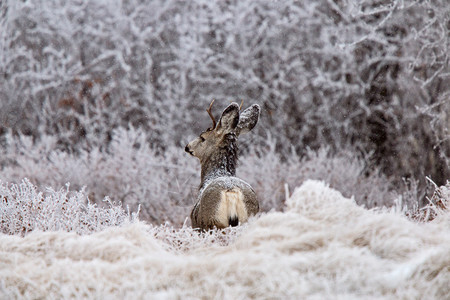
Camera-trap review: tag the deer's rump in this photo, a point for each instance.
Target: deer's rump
(225, 201)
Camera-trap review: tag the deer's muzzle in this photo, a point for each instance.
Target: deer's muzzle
(188, 150)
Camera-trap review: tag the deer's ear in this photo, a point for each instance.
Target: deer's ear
(229, 119)
(248, 119)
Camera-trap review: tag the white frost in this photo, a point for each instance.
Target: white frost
(322, 246)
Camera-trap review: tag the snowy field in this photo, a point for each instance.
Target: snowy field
(322, 246)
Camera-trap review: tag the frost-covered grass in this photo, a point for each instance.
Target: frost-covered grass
(322, 245)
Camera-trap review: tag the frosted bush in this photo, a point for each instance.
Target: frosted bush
(23, 208)
(341, 74)
(274, 178)
(350, 174)
(129, 171)
(438, 204)
(164, 185)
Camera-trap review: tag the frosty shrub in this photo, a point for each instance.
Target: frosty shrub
(438, 204)
(274, 178)
(163, 186)
(23, 208)
(128, 171)
(366, 75)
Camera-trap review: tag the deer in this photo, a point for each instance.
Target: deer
(223, 200)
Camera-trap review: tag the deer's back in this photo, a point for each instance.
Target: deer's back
(224, 201)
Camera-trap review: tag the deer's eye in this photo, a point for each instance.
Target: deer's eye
(202, 138)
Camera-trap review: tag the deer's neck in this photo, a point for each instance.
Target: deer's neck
(221, 163)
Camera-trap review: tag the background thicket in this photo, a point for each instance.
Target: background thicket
(105, 94)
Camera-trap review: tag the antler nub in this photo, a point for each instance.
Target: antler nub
(211, 115)
(242, 103)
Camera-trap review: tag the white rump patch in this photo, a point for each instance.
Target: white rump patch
(231, 205)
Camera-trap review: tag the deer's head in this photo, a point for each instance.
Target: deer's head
(232, 123)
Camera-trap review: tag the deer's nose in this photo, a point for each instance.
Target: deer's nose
(188, 150)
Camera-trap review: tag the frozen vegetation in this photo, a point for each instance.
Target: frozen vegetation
(322, 246)
(350, 159)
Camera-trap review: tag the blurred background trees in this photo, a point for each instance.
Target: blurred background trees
(349, 84)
